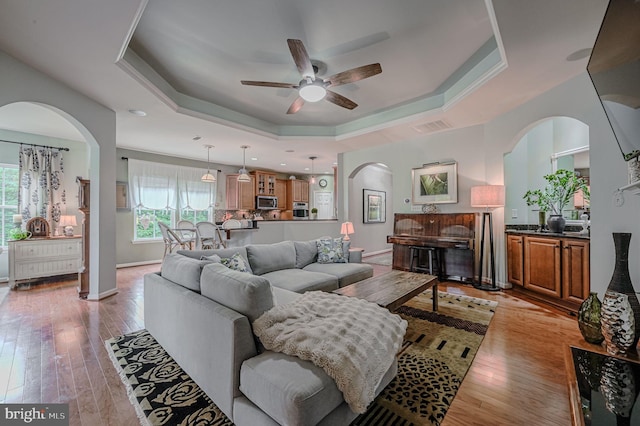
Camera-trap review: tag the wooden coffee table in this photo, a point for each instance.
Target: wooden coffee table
(392, 289)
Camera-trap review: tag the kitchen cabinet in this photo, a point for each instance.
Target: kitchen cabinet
(44, 257)
(240, 195)
(297, 192)
(265, 183)
(515, 255)
(554, 269)
(281, 193)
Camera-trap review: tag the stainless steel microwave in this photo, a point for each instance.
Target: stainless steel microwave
(264, 202)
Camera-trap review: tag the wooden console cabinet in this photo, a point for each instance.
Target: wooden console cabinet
(554, 269)
(43, 257)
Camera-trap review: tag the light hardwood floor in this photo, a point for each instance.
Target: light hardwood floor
(52, 350)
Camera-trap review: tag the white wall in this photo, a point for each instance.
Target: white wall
(377, 178)
(75, 164)
(480, 150)
(20, 83)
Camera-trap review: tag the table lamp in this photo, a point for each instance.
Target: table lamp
(487, 196)
(68, 222)
(346, 229)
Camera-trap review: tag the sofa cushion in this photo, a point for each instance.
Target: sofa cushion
(306, 253)
(346, 273)
(223, 253)
(235, 262)
(213, 258)
(300, 281)
(182, 270)
(330, 250)
(290, 390)
(247, 294)
(271, 257)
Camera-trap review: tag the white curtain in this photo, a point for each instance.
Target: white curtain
(195, 194)
(159, 186)
(153, 185)
(41, 184)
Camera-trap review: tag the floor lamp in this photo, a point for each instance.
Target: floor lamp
(487, 196)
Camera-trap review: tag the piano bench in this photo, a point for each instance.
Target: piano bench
(432, 252)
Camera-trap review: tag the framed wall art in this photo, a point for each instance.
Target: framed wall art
(435, 183)
(375, 206)
(122, 196)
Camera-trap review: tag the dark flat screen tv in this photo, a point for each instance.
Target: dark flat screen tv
(614, 68)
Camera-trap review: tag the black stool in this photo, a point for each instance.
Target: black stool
(432, 252)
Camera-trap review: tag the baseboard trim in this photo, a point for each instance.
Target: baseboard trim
(142, 263)
(374, 253)
(103, 295)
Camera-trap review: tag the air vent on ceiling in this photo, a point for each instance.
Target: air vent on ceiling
(432, 126)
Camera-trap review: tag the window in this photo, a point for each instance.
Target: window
(194, 216)
(167, 193)
(8, 199)
(146, 221)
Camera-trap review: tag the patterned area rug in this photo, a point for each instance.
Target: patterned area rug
(437, 352)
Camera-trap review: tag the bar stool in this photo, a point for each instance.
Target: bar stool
(433, 254)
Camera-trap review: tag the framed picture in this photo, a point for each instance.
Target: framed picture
(122, 196)
(435, 183)
(375, 206)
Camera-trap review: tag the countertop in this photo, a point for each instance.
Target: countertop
(577, 235)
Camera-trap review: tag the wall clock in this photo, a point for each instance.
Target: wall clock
(323, 183)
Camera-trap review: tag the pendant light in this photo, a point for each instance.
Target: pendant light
(244, 177)
(208, 177)
(313, 178)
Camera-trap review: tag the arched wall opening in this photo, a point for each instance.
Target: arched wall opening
(375, 177)
(97, 124)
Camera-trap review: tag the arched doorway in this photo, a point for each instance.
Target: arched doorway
(371, 235)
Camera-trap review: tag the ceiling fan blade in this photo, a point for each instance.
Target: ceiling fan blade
(340, 100)
(269, 84)
(296, 105)
(301, 57)
(354, 74)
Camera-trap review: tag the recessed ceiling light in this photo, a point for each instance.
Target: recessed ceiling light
(306, 169)
(290, 150)
(254, 158)
(196, 138)
(138, 112)
(283, 164)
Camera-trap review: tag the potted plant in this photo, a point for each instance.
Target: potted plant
(314, 213)
(559, 192)
(18, 234)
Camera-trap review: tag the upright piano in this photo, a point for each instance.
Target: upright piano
(453, 235)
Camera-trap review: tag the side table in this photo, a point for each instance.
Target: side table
(355, 255)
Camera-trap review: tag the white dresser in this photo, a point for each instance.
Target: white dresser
(44, 257)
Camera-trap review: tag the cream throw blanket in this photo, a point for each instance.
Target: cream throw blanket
(353, 340)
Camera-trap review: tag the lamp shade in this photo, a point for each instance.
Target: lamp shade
(487, 196)
(347, 228)
(68, 220)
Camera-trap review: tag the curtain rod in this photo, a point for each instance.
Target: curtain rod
(33, 144)
(127, 158)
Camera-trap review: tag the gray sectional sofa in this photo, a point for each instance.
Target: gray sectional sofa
(201, 312)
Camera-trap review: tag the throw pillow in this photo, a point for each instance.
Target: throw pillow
(330, 250)
(235, 262)
(213, 258)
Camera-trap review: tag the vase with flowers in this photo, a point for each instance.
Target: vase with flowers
(557, 195)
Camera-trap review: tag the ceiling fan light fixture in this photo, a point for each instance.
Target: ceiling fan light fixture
(208, 177)
(313, 91)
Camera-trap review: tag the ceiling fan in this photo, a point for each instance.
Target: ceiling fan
(313, 88)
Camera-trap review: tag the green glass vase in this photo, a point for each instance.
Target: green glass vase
(589, 319)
